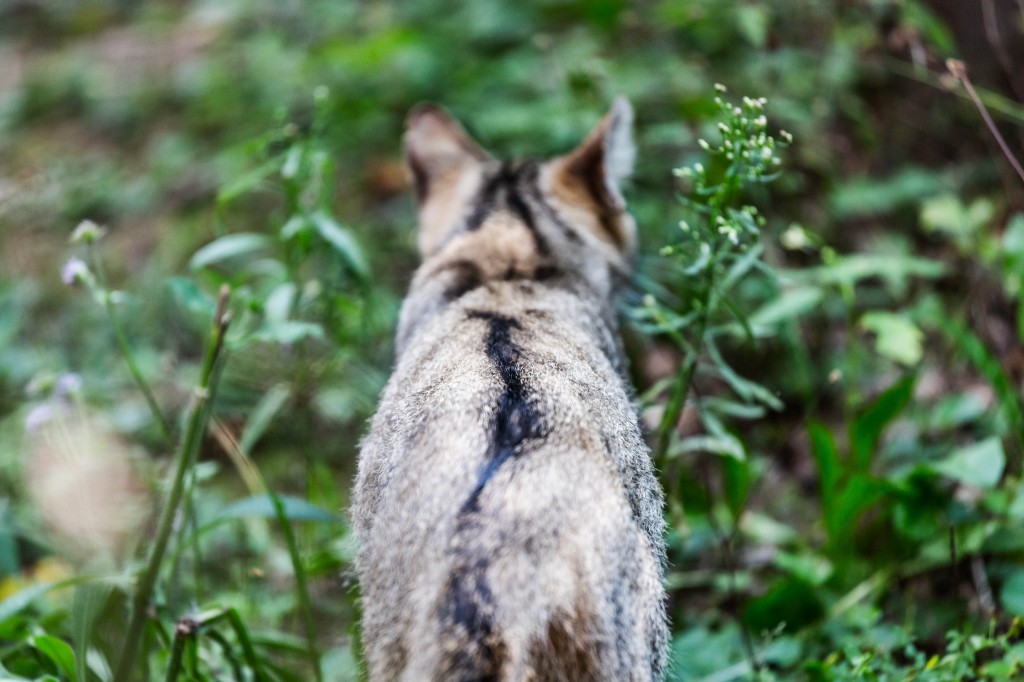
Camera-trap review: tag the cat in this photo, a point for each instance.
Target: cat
(508, 516)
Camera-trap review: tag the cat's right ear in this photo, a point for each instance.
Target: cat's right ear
(437, 149)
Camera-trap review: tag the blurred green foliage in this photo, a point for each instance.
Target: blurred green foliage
(870, 504)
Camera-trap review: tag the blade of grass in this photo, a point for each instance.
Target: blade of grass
(195, 427)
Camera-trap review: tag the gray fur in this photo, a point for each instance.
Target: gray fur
(509, 521)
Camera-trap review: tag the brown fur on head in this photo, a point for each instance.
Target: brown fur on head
(570, 201)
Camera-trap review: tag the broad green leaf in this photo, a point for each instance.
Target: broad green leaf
(246, 182)
(263, 414)
(58, 651)
(752, 21)
(954, 411)
(288, 332)
(812, 567)
(791, 601)
(736, 481)
(9, 555)
(343, 242)
(1012, 594)
(877, 196)
(22, 599)
(826, 455)
(896, 337)
(859, 495)
(791, 304)
(947, 215)
(968, 345)
(980, 464)
(867, 427)
(893, 269)
(730, 446)
(278, 305)
(88, 604)
(229, 246)
(744, 388)
(191, 297)
(295, 509)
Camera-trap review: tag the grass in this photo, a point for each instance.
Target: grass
(832, 382)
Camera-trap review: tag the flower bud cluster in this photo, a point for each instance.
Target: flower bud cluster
(745, 154)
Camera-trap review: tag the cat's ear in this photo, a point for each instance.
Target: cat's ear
(605, 158)
(590, 177)
(437, 148)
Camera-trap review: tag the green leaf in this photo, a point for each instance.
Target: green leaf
(229, 246)
(287, 332)
(245, 183)
(736, 481)
(752, 21)
(58, 651)
(791, 601)
(896, 337)
(947, 215)
(980, 464)
(748, 390)
(343, 242)
(88, 604)
(191, 297)
(263, 414)
(869, 196)
(22, 599)
(728, 445)
(867, 427)
(826, 455)
(968, 345)
(860, 494)
(893, 269)
(954, 411)
(790, 304)
(295, 509)
(1012, 594)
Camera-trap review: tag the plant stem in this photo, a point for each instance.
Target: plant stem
(183, 631)
(126, 352)
(959, 71)
(195, 427)
(301, 588)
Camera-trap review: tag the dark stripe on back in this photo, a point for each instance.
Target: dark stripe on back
(469, 608)
(517, 417)
(468, 605)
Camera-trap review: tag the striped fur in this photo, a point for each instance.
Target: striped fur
(508, 517)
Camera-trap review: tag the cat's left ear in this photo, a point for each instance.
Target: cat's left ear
(605, 158)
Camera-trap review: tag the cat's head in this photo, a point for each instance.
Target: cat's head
(562, 217)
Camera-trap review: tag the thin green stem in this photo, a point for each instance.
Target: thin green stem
(183, 631)
(195, 427)
(126, 351)
(301, 587)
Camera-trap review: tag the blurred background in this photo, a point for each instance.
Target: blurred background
(257, 144)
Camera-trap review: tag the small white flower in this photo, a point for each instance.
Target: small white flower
(704, 144)
(68, 384)
(87, 232)
(720, 88)
(75, 272)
